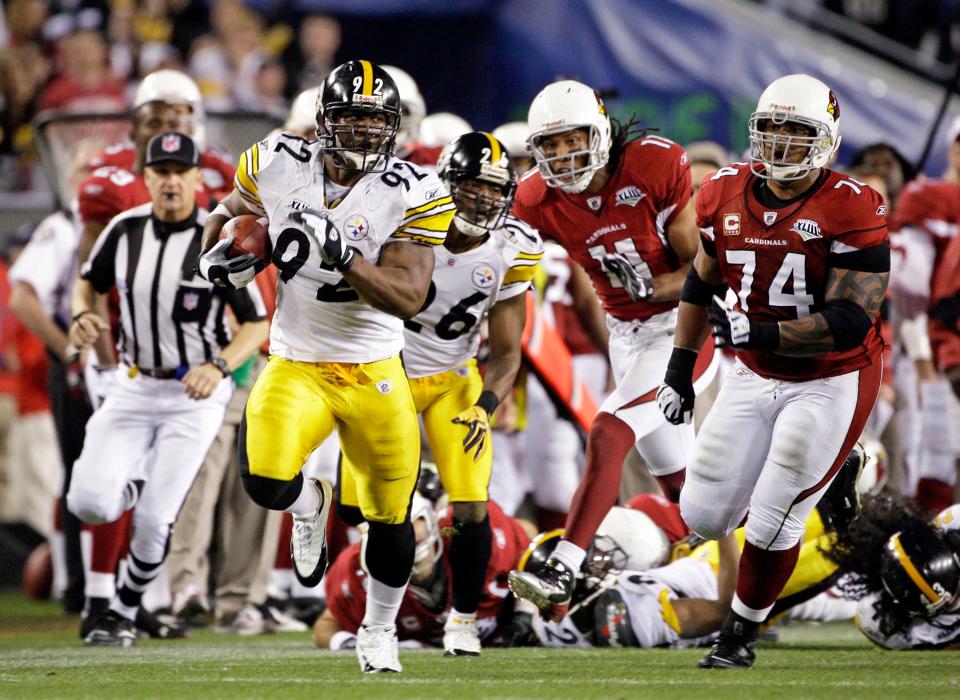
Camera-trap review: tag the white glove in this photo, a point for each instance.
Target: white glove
(233, 273)
(638, 287)
(332, 247)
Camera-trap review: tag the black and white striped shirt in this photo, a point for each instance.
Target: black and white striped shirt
(170, 318)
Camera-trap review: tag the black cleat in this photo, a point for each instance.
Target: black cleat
(840, 504)
(734, 646)
(111, 630)
(160, 626)
(549, 588)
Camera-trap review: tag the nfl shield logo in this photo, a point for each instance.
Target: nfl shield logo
(594, 203)
(190, 300)
(769, 217)
(170, 143)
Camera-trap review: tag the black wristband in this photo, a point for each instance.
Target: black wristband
(696, 291)
(680, 367)
(488, 401)
(81, 315)
(764, 335)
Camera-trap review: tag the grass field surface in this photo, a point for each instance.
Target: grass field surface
(42, 656)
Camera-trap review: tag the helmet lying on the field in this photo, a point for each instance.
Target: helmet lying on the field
(920, 571)
(604, 559)
(635, 533)
(429, 546)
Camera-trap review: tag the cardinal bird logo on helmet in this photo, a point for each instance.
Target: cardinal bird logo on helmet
(833, 107)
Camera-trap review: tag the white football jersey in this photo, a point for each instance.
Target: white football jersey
(446, 331)
(944, 629)
(319, 318)
(648, 596)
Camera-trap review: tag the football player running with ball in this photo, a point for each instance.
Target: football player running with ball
(620, 203)
(806, 256)
(482, 270)
(351, 228)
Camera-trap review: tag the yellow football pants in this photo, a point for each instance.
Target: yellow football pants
(439, 399)
(294, 406)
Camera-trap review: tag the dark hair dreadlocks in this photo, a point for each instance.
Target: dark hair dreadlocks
(857, 551)
(623, 133)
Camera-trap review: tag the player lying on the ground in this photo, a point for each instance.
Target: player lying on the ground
(428, 598)
(685, 602)
(906, 572)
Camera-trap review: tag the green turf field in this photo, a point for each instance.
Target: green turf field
(41, 656)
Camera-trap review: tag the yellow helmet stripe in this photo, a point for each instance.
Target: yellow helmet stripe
(912, 572)
(542, 537)
(494, 148)
(367, 87)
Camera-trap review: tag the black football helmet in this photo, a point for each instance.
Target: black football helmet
(920, 571)
(350, 96)
(604, 558)
(465, 164)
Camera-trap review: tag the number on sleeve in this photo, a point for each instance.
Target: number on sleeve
(852, 183)
(394, 179)
(302, 154)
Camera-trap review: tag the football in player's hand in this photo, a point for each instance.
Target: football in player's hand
(249, 236)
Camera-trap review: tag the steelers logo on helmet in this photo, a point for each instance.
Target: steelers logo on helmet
(358, 114)
(792, 133)
(356, 227)
(476, 169)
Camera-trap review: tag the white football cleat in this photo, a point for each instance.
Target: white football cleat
(308, 545)
(460, 636)
(378, 649)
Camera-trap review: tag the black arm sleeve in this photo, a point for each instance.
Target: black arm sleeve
(873, 259)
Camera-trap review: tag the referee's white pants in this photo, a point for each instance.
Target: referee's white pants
(146, 429)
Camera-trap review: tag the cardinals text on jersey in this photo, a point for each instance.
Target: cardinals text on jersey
(446, 331)
(319, 318)
(776, 260)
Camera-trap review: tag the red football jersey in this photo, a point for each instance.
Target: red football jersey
(630, 216)
(944, 324)
(217, 172)
(933, 206)
(419, 154)
(347, 593)
(108, 191)
(776, 260)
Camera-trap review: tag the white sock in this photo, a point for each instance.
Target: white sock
(383, 603)
(752, 614)
(569, 554)
(99, 585)
(308, 502)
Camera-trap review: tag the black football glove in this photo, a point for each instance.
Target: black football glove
(732, 328)
(232, 273)
(638, 287)
(333, 249)
(676, 396)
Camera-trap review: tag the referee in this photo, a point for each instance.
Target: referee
(173, 384)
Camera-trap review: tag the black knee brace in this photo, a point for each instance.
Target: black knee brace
(389, 552)
(351, 515)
